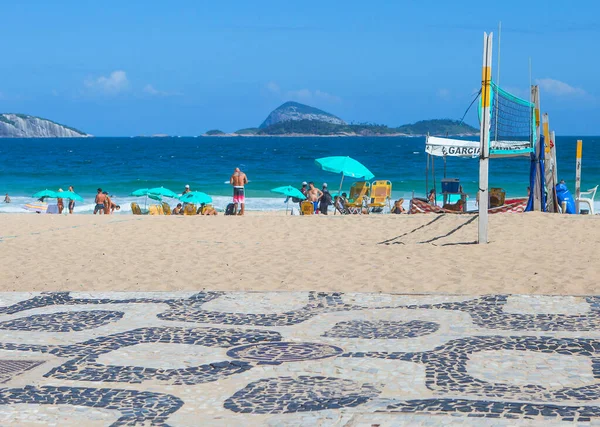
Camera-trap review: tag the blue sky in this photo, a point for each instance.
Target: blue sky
(182, 67)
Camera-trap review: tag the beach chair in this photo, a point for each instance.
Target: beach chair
(358, 193)
(307, 208)
(587, 197)
(497, 197)
(135, 209)
(155, 210)
(166, 208)
(189, 209)
(381, 195)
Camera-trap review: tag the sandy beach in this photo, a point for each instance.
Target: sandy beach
(260, 252)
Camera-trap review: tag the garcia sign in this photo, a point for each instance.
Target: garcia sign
(458, 148)
(451, 147)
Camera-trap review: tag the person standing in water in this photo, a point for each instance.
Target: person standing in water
(6, 198)
(71, 201)
(238, 180)
(60, 203)
(100, 199)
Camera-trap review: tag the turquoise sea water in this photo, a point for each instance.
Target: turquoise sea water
(121, 165)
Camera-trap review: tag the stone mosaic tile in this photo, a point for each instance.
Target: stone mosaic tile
(10, 368)
(299, 358)
(63, 322)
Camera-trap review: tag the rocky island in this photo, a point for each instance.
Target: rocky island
(295, 119)
(25, 126)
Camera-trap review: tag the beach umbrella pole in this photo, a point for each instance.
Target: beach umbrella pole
(339, 192)
(287, 205)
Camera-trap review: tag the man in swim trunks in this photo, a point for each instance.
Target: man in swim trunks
(238, 180)
(100, 199)
(314, 195)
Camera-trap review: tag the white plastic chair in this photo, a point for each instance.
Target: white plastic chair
(587, 197)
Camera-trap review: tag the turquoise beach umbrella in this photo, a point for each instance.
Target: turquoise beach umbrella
(345, 165)
(289, 191)
(149, 193)
(70, 195)
(162, 191)
(45, 193)
(195, 197)
(139, 193)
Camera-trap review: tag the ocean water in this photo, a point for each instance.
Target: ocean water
(121, 165)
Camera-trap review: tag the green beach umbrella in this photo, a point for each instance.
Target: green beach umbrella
(195, 197)
(45, 193)
(289, 191)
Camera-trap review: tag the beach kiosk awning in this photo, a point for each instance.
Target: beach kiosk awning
(451, 147)
(448, 147)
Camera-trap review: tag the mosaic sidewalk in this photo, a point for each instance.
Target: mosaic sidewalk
(299, 359)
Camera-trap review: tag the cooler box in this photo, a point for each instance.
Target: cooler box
(450, 185)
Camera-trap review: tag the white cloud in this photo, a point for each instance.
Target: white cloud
(558, 88)
(116, 82)
(273, 87)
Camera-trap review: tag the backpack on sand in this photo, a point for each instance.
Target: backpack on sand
(230, 209)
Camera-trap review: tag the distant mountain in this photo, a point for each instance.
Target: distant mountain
(214, 132)
(295, 111)
(24, 126)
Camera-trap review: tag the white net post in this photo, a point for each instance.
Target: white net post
(484, 157)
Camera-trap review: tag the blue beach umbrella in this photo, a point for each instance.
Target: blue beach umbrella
(289, 191)
(345, 165)
(195, 197)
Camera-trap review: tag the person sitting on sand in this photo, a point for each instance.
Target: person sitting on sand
(314, 196)
(177, 210)
(6, 198)
(60, 203)
(431, 197)
(206, 210)
(99, 200)
(398, 208)
(339, 205)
